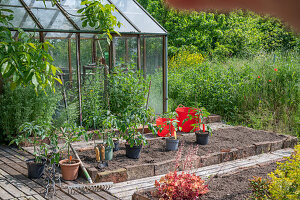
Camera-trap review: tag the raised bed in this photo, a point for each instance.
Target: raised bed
(224, 145)
(233, 186)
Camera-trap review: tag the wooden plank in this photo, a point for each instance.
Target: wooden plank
(10, 188)
(21, 186)
(23, 170)
(76, 195)
(4, 194)
(22, 178)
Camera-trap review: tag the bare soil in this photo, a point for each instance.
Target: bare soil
(221, 140)
(234, 186)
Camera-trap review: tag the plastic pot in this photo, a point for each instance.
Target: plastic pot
(133, 152)
(69, 171)
(35, 170)
(202, 137)
(171, 144)
(109, 153)
(116, 145)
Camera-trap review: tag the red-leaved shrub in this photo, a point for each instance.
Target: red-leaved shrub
(180, 186)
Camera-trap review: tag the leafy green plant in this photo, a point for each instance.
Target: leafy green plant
(200, 115)
(71, 133)
(26, 62)
(260, 188)
(98, 15)
(285, 180)
(34, 133)
(23, 105)
(129, 126)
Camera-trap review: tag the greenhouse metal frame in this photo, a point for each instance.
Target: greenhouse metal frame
(61, 21)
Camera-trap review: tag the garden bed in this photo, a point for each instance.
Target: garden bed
(233, 186)
(224, 145)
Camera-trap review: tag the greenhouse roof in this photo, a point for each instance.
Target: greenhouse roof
(32, 15)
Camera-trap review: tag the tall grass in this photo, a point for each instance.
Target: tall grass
(261, 92)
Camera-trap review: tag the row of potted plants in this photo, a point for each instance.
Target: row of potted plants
(193, 120)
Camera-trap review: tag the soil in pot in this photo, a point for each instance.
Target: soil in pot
(35, 170)
(202, 137)
(171, 144)
(116, 145)
(69, 170)
(133, 152)
(109, 153)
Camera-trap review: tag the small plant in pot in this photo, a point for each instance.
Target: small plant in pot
(69, 167)
(172, 123)
(109, 124)
(202, 131)
(129, 128)
(34, 133)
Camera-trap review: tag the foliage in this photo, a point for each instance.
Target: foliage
(99, 16)
(237, 33)
(71, 133)
(23, 105)
(128, 126)
(199, 117)
(180, 186)
(35, 133)
(285, 183)
(260, 188)
(247, 91)
(185, 58)
(23, 60)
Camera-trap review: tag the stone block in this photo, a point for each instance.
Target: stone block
(236, 153)
(262, 147)
(211, 159)
(214, 118)
(164, 167)
(139, 171)
(276, 145)
(116, 176)
(248, 151)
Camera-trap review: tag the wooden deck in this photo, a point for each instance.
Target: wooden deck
(14, 183)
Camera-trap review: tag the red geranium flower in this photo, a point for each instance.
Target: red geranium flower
(258, 77)
(275, 69)
(270, 81)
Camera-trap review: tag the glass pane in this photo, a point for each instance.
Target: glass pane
(125, 51)
(137, 16)
(72, 6)
(153, 62)
(56, 35)
(21, 18)
(52, 19)
(10, 2)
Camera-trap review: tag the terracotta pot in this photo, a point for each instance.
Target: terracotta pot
(69, 171)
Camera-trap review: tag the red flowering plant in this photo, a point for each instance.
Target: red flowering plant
(181, 185)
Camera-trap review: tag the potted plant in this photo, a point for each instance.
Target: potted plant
(108, 126)
(170, 126)
(129, 129)
(69, 167)
(202, 131)
(35, 133)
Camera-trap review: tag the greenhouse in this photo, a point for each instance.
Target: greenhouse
(142, 42)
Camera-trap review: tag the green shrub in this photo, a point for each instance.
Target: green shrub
(24, 105)
(243, 91)
(284, 183)
(125, 90)
(237, 33)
